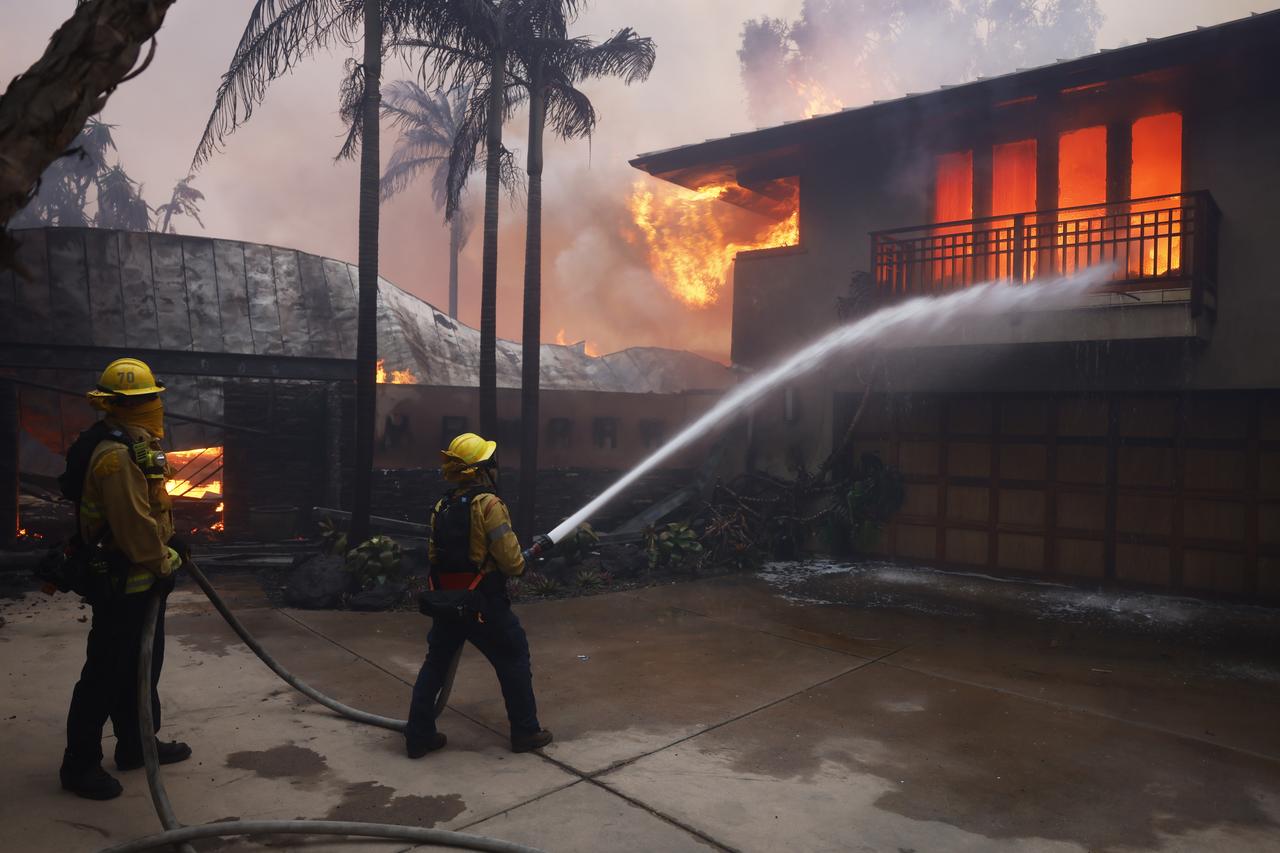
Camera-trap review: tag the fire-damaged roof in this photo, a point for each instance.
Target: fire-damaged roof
(170, 292)
(94, 294)
(753, 156)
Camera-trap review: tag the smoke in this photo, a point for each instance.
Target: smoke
(597, 280)
(862, 50)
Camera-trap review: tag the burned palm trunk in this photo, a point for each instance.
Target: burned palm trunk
(44, 109)
(367, 336)
(489, 260)
(531, 337)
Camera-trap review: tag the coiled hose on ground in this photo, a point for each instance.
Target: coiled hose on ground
(179, 836)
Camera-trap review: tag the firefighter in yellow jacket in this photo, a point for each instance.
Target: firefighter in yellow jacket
(473, 548)
(124, 516)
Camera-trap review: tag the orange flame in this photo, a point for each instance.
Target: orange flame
(685, 234)
(591, 349)
(221, 524)
(204, 462)
(817, 100)
(560, 338)
(398, 377)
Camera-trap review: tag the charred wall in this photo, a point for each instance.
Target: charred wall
(288, 461)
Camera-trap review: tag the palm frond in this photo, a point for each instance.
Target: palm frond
(351, 108)
(625, 55)
(278, 35)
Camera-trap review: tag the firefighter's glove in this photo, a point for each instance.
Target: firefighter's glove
(172, 562)
(182, 546)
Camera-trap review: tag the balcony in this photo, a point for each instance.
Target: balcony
(1162, 250)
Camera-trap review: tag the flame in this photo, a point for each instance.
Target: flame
(398, 377)
(560, 338)
(817, 100)
(205, 462)
(221, 524)
(185, 489)
(689, 250)
(591, 349)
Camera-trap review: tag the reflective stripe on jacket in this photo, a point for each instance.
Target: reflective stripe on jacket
(135, 510)
(491, 536)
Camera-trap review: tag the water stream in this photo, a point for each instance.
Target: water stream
(919, 317)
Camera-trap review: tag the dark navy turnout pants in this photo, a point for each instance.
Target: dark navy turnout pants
(108, 686)
(502, 640)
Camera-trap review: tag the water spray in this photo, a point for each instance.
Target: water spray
(921, 316)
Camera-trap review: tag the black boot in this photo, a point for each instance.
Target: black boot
(417, 749)
(530, 742)
(169, 752)
(88, 781)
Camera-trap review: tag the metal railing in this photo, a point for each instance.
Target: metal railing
(1152, 243)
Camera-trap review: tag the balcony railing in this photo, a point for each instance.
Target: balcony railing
(1156, 243)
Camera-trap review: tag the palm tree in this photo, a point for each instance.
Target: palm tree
(120, 202)
(84, 177)
(429, 123)
(279, 34)
(62, 196)
(478, 48)
(554, 64)
(521, 48)
(185, 201)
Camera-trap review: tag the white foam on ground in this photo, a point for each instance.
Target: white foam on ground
(1048, 600)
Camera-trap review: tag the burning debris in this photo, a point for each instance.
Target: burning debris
(692, 240)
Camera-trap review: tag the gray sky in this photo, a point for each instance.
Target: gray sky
(276, 181)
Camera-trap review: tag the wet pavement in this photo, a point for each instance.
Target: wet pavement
(812, 707)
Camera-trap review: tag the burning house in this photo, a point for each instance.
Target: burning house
(257, 346)
(1131, 437)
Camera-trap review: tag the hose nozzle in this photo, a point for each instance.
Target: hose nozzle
(541, 545)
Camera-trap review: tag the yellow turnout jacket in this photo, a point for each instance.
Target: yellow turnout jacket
(137, 510)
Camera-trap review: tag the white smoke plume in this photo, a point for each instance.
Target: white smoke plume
(840, 53)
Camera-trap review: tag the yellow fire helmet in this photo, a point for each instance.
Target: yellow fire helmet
(126, 377)
(468, 449)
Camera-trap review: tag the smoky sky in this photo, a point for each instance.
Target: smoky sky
(276, 182)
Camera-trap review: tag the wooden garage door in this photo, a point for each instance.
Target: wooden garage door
(1173, 492)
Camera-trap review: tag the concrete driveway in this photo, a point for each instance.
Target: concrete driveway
(813, 707)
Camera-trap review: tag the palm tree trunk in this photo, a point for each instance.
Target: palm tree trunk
(367, 334)
(455, 247)
(489, 267)
(42, 110)
(531, 335)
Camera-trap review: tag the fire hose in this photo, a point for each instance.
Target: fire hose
(179, 836)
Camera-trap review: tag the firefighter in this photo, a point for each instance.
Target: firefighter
(123, 518)
(472, 552)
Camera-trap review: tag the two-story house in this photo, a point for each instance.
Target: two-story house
(1132, 437)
